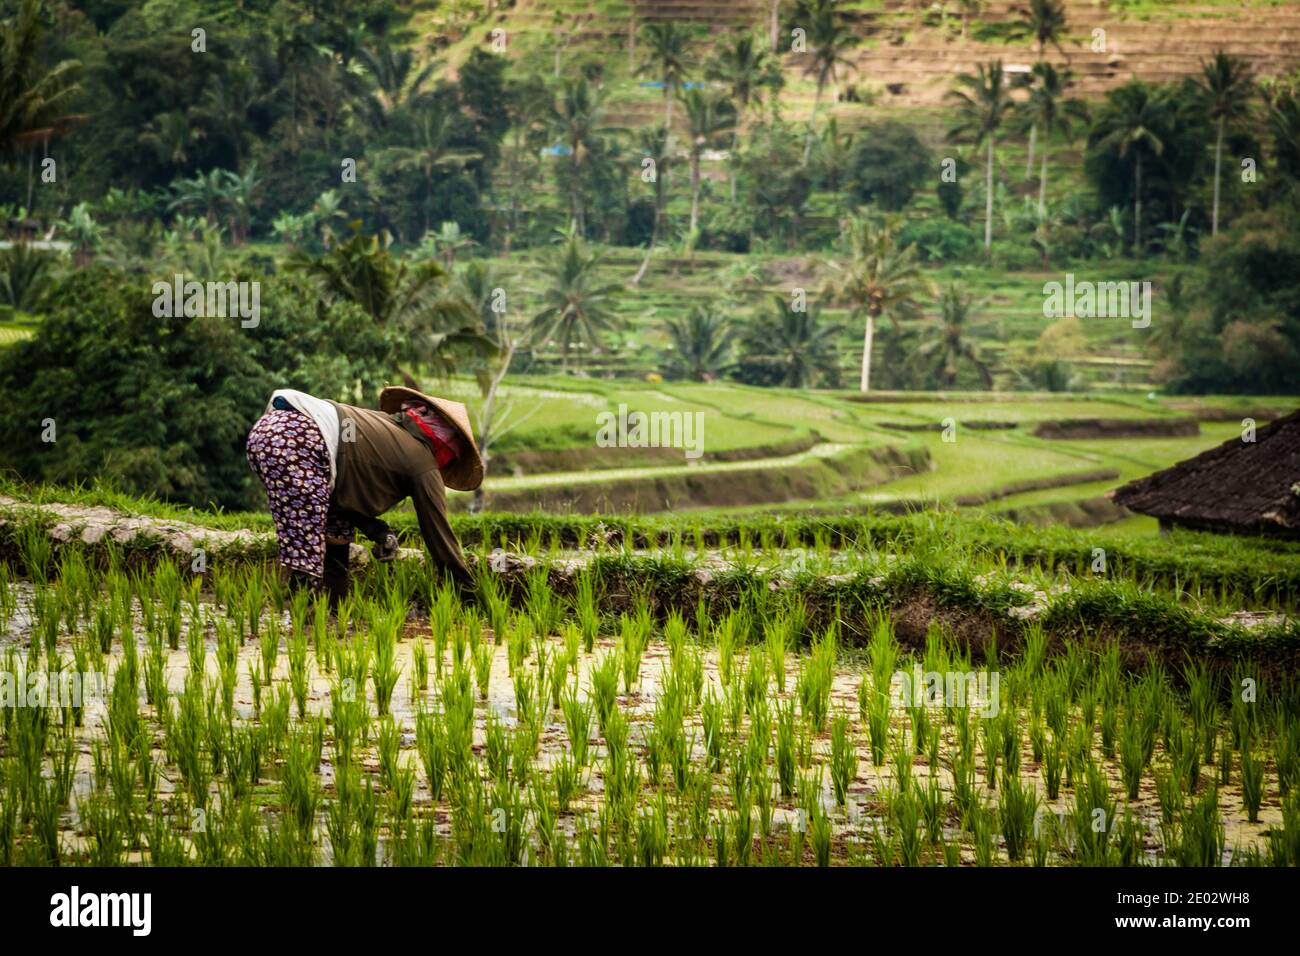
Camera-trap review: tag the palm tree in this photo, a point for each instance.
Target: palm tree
(1045, 21)
(748, 71)
(1049, 110)
(830, 38)
(396, 80)
(709, 115)
(577, 305)
(431, 150)
(327, 208)
(437, 325)
(653, 144)
(206, 192)
(699, 345)
(83, 232)
(950, 347)
(669, 58)
(1226, 86)
(1127, 124)
(879, 279)
(982, 105)
(33, 101)
(796, 347)
(578, 122)
(240, 190)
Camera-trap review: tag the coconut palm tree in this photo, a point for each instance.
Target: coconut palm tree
(949, 346)
(668, 57)
(879, 279)
(1045, 21)
(982, 105)
(1226, 87)
(1048, 109)
(652, 142)
(207, 193)
(1127, 124)
(578, 121)
(34, 101)
(748, 72)
(700, 344)
(577, 305)
(436, 324)
(430, 150)
(795, 347)
(830, 38)
(83, 232)
(710, 115)
(395, 77)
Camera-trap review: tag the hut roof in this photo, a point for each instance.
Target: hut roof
(1246, 486)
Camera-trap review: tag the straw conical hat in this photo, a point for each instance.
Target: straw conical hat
(466, 472)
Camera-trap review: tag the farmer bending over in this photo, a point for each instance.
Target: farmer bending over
(329, 469)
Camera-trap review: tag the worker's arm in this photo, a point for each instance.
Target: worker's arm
(430, 501)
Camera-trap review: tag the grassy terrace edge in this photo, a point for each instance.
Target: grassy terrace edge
(987, 610)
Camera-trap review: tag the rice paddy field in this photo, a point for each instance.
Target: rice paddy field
(923, 690)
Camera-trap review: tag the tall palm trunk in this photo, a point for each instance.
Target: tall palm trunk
(988, 200)
(1137, 205)
(866, 351)
(654, 235)
(695, 188)
(1218, 161)
(1033, 140)
(1042, 187)
(812, 125)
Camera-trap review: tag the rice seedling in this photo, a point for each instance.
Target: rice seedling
(604, 689)
(844, 758)
(577, 723)
(299, 674)
(776, 642)
(420, 664)
(385, 670)
(1017, 809)
(1252, 780)
(320, 633)
(269, 644)
(905, 812)
(820, 827)
(1185, 753)
(482, 658)
(934, 808)
(431, 742)
(715, 733)
(586, 609)
(633, 639)
(1201, 833)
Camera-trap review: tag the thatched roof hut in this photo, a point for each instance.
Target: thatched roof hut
(1240, 487)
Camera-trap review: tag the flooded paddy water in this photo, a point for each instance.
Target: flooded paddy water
(429, 738)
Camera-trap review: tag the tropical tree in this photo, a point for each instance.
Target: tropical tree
(34, 101)
(983, 103)
(208, 193)
(577, 306)
(880, 278)
(1128, 124)
(668, 57)
(395, 80)
(430, 150)
(652, 142)
(700, 344)
(791, 347)
(830, 38)
(414, 301)
(1045, 21)
(749, 72)
(1048, 109)
(83, 232)
(1226, 86)
(710, 114)
(950, 346)
(578, 121)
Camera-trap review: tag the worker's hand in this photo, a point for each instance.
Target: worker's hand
(385, 550)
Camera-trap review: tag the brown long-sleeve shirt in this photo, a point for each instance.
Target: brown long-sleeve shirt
(379, 464)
